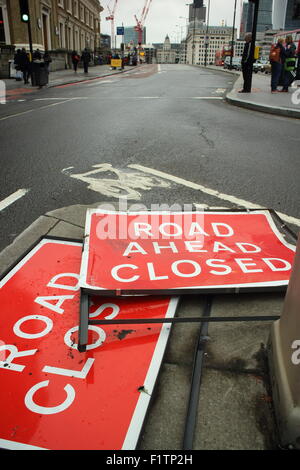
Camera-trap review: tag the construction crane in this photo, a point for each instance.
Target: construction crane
(111, 18)
(140, 23)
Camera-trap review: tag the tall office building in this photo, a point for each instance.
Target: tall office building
(131, 35)
(197, 11)
(264, 20)
(246, 18)
(286, 14)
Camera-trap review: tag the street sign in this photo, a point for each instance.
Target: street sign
(150, 252)
(120, 30)
(52, 396)
(116, 62)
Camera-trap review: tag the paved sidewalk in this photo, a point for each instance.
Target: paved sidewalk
(235, 407)
(61, 77)
(261, 98)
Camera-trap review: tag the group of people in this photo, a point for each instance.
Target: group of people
(283, 59)
(23, 64)
(284, 66)
(85, 58)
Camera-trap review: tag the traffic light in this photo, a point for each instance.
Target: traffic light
(24, 10)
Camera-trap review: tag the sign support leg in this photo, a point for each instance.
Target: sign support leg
(83, 322)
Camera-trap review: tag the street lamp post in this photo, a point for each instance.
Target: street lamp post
(232, 39)
(206, 37)
(186, 35)
(252, 49)
(194, 30)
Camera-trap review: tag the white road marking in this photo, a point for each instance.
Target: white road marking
(101, 82)
(68, 168)
(12, 198)
(123, 185)
(47, 99)
(212, 192)
(34, 109)
(220, 90)
(206, 98)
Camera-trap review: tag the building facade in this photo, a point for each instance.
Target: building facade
(167, 52)
(203, 43)
(131, 36)
(286, 14)
(59, 26)
(264, 20)
(197, 11)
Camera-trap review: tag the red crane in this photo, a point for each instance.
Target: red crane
(140, 23)
(111, 18)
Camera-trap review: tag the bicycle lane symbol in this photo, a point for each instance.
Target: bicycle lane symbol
(120, 184)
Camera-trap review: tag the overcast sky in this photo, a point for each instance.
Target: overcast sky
(164, 15)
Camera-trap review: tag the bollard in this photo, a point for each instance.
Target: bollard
(284, 362)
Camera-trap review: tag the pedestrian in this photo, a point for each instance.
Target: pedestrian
(247, 64)
(276, 59)
(37, 55)
(289, 63)
(75, 60)
(86, 57)
(47, 60)
(25, 65)
(18, 63)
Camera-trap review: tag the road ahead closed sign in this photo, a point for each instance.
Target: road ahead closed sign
(200, 251)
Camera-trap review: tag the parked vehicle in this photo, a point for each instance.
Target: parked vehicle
(267, 68)
(236, 63)
(259, 65)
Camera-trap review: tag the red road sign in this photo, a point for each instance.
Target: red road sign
(146, 252)
(52, 396)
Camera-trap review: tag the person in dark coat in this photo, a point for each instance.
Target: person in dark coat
(37, 55)
(75, 60)
(86, 57)
(47, 60)
(17, 62)
(247, 64)
(25, 65)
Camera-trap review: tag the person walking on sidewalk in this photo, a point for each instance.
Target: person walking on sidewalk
(247, 64)
(75, 60)
(86, 57)
(25, 65)
(47, 60)
(276, 59)
(17, 62)
(289, 63)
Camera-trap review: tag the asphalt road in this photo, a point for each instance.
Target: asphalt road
(161, 135)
